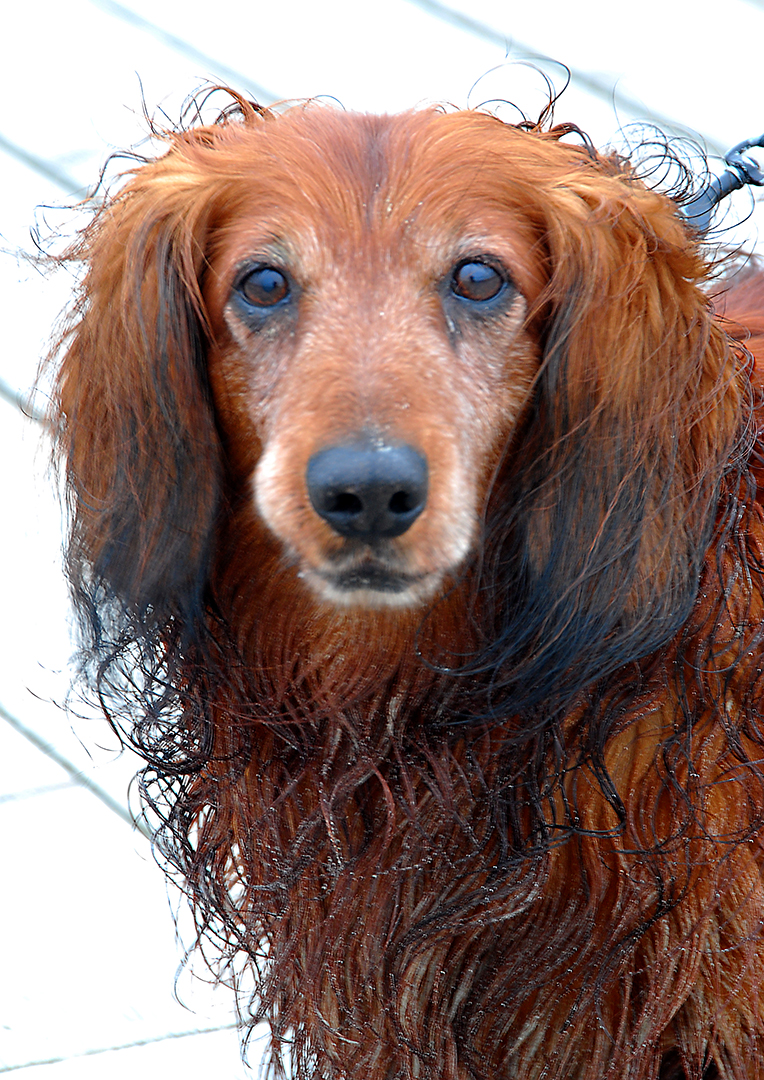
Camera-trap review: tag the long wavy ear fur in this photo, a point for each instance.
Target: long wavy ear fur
(608, 513)
(135, 427)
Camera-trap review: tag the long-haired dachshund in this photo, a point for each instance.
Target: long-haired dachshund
(415, 539)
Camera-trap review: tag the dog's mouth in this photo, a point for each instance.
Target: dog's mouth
(371, 582)
(373, 577)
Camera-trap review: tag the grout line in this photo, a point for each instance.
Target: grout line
(45, 168)
(30, 793)
(119, 11)
(601, 88)
(115, 1049)
(23, 402)
(81, 778)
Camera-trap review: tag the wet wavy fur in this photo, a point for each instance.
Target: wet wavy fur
(509, 826)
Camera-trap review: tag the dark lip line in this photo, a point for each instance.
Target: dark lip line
(375, 578)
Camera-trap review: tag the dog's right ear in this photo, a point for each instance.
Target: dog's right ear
(132, 413)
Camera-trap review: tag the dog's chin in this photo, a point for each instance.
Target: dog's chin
(371, 585)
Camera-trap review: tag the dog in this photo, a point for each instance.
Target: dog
(416, 540)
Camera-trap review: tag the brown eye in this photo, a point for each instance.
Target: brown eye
(264, 287)
(477, 281)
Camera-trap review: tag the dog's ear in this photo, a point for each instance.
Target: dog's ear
(614, 488)
(136, 431)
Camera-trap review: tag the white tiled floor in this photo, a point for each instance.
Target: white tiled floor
(88, 955)
(84, 892)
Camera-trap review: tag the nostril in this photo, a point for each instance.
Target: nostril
(344, 502)
(402, 502)
(368, 492)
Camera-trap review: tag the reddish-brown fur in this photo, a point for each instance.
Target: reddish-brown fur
(502, 820)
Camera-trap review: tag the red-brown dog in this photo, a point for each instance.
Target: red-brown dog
(415, 532)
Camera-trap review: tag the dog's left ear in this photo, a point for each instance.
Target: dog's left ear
(637, 412)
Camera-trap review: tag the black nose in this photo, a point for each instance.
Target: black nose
(368, 492)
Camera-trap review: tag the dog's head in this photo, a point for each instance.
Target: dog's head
(399, 355)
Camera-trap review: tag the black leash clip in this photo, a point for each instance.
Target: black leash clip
(741, 172)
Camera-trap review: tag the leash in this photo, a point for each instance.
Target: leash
(741, 172)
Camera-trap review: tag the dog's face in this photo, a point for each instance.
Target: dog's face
(368, 292)
(364, 352)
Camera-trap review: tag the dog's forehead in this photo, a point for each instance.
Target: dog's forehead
(337, 183)
(390, 164)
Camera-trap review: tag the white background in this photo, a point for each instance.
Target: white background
(87, 947)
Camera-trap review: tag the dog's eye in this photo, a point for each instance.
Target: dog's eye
(476, 281)
(264, 286)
